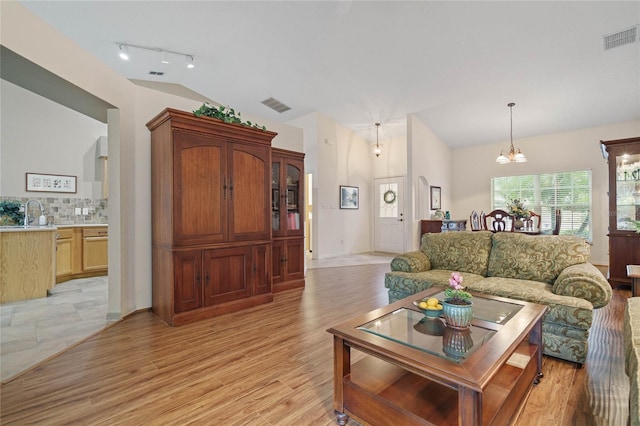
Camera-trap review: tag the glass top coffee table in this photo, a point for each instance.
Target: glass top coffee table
(412, 369)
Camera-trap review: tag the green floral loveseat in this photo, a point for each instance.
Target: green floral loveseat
(547, 269)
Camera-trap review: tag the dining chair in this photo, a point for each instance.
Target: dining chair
(501, 221)
(556, 228)
(476, 221)
(534, 221)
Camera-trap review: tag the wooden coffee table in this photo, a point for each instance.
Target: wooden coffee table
(412, 370)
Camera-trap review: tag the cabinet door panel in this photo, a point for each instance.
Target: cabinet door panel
(262, 269)
(227, 275)
(294, 265)
(294, 197)
(277, 261)
(63, 257)
(250, 177)
(187, 279)
(200, 189)
(95, 253)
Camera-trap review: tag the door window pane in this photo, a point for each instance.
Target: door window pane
(388, 200)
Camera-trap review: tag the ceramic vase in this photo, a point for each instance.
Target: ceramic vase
(518, 224)
(457, 316)
(456, 343)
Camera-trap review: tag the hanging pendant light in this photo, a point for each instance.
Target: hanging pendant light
(514, 155)
(377, 150)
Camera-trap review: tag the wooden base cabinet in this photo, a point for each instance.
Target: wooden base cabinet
(288, 264)
(214, 277)
(81, 252)
(211, 221)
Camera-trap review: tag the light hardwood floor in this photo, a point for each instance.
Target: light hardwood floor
(272, 365)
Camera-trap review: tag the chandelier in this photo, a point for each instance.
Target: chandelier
(377, 150)
(514, 155)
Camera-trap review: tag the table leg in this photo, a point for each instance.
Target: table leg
(341, 368)
(535, 337)
(341, 418)
(469, 407)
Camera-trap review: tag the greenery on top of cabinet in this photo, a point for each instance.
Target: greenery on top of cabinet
(226, 114)
(11, 213)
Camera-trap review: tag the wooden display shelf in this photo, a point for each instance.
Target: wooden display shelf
(376, 389)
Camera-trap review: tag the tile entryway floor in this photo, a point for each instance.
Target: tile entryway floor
(34, 330)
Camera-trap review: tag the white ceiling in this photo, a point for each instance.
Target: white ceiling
(454, 64)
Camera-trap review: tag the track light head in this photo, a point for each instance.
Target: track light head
(123, 52)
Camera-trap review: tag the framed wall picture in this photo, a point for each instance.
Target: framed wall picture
(37, 182)
(348, 197)
(436, 201)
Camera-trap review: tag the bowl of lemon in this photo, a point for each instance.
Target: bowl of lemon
(431, 307)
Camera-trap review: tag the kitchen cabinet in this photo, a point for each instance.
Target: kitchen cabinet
(287, 219)
(211, 227)
(623, 156)
(95, 249)
(27, 263)
(81, 252)
(64, 250)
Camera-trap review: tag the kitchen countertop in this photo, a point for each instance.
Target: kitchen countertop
(82, 225)
(22, 228)
(26, 229)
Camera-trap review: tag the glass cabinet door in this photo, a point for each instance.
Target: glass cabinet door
(627, 191)
(275, 196)
(293, 197)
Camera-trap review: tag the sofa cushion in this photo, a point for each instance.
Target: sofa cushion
(567, 311)
(413, 261)
(535, 257)
(586, 282)
(414, 282)
(464, 251)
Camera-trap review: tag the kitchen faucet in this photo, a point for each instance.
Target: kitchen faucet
(26, 211)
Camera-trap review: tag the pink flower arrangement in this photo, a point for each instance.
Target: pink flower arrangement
(456, 293)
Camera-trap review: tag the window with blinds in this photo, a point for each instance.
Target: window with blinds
(544, 193)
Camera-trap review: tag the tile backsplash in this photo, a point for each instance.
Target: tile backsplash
(63, 209)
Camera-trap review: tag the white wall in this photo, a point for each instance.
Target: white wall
(340, 157)
(474, 167)
(41, 136)
(429, 164)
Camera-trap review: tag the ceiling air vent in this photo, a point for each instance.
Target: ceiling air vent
(630, 35)
(156, 72)
(276, 105)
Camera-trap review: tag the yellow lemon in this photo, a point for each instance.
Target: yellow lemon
(423, 305)
(432, 302)
(439, 306)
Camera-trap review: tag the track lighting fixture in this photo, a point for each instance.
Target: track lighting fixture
(123, 52)
(124, 48)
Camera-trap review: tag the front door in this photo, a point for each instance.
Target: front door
(389, 215)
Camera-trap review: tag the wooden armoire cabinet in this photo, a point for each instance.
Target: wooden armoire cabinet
(287, 218)
(211, 227)
(623, 156)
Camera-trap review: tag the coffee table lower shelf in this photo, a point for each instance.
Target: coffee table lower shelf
(378, 392)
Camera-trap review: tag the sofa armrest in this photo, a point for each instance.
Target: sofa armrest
(413, 261)
(584, 281)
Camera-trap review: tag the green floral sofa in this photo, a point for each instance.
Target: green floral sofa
(551, 270)
(632, 357)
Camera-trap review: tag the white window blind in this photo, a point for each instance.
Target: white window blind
(544, 193)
